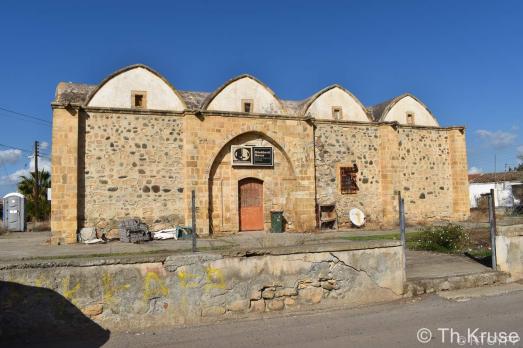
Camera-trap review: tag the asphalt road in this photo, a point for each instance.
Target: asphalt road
(387, 325)
(390, 325)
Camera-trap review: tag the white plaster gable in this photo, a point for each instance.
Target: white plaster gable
(116, 91)
(230, 97)
(406, 105)
(321, 107)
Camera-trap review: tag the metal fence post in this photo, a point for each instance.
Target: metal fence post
(401, 205)
(492, 221)
(193, 207)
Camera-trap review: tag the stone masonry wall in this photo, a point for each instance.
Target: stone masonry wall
(64, 166)
(208, 136)
(415, 161)
(337, 145)
(133, 168)
(424, 177)
(279, 187)
(459, 170)
(201, 287)
(509, 250)
(110, 164)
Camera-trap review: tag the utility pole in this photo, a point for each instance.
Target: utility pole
(193, 212)
(37, 182)
(492, 222)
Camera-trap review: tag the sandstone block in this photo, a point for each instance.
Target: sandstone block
(275, 305)
(289, 301)
(311, 295)
(328, 285)
(256, 295)
(268, 293)
(239, 306)
(258, 306)
(286, 292)
(93, 310)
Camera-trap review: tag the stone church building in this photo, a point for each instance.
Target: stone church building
(135, 146)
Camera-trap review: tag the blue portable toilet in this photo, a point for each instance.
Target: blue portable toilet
(14, 212)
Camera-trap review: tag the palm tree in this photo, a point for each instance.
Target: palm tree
(26, 186)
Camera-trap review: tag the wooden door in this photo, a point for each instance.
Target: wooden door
(250, 198)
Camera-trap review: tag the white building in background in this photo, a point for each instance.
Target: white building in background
(508, 187)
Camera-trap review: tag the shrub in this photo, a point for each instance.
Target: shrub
(449, 238)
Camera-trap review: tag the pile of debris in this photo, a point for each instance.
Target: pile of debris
(134, 231)
(180, 232)
(88, 235)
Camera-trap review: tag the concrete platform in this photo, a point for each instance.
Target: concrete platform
(429, 272)
(425, 264)
(35, 245)
(467, 294)
(426, 271)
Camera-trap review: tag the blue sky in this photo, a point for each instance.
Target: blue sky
(462, 58)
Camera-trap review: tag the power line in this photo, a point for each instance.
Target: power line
(40, 123)
(16, 148)
(24, 150)
(25, 115)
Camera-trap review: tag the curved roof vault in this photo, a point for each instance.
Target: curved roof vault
(390, 110)
(229, 96)
(115, 90)
(352, 108)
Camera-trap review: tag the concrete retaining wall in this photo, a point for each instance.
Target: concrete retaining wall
(206, 287)
(509, 250)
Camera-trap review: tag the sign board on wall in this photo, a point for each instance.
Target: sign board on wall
(254, 156)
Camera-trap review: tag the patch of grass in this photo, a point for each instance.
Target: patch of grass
(480, 253)
(411, 237)
(159, 252)
(393, 236)
(89, 256)
(450, 238)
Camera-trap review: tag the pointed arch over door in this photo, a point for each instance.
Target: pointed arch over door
(250, 204)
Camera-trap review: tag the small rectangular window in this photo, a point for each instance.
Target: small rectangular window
(410, 119)
(337, 112)
(247, 105)
(348, 180)
(139, 99)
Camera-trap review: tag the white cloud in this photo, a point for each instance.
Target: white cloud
(44, 145)
(9, 156)
(497, 139)
(13, 178)
(475, 170)
(43, 163)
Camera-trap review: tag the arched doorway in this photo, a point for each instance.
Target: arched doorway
(278, 186)
(250, 204)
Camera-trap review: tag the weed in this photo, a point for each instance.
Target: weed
(450, 238)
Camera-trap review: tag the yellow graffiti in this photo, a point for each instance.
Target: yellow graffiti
(215, 278)
(154, 286)
(109, 289)
(67, 291)
(42, 282)
(107, 293)
(187, 279)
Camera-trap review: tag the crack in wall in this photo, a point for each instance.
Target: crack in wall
(338, 260)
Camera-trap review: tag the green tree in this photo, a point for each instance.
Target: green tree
(26, 186)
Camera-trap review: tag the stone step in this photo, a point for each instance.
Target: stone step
(484, 291)
(420, 286)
